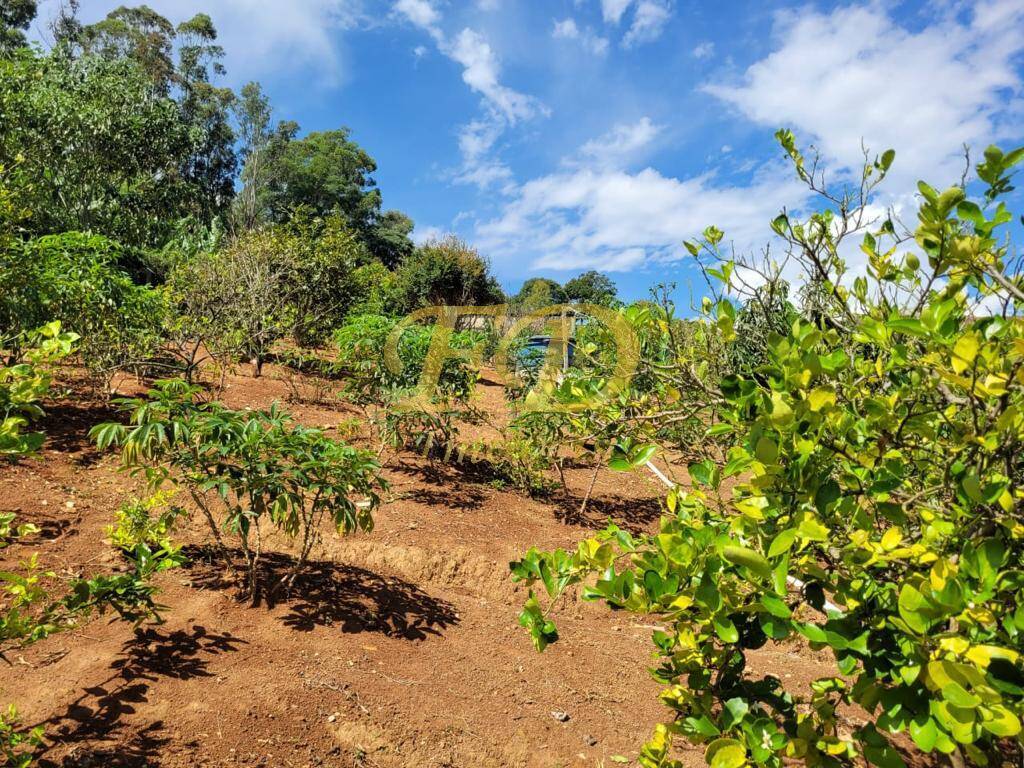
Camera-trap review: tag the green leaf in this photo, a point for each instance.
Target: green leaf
(766, 450)
(782, 542)
(748, 558)
(812, 632)
(776, 606)
(704, 473)
(924, 733)
(725, 629)
(736, 709)
(702, 725)
(912, 607)
(909, 325)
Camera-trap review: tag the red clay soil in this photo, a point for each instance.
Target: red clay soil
(400, 648)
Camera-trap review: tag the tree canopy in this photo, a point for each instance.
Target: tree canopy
(15, 17)
(447, 272)
(591, 287)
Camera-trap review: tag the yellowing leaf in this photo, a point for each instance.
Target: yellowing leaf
(753, 507)
(892, 538)
(982, 655)
(781, 412)
(965, 351)
(682, 602)
(725, 753)
(821, 398)
(1000, 721)
(812, 530)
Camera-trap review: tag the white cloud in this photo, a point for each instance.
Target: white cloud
(480, 72)
(476, 144)
(420, 13)
(487, 174)
(259, 38)
(612, 10)
(835, 78)
(488, 5)
(621, 143)
(503, 106)
(649, 20)
(567, 29)
(613, 220)
(420, 51)
(704, 50)
(477, 138)
(470, 49)
(421, 235)
(855, 74)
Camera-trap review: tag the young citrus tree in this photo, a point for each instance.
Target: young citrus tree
(874, 504)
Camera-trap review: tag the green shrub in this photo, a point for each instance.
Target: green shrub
(872, 509)
(17, 746)
(250, 469)
(74, 278)
(148, 521)
(361, 343)
(448, 272)
(24, 384)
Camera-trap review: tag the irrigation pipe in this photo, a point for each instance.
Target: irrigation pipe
(793, 581)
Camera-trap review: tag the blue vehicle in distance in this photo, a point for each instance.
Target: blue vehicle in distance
(530, 357)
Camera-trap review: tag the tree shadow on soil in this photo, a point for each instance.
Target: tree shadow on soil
(328, 594)
(97, 715)
(633, 515)
(67, 428)
(464, 499)
(438, 471)
(455, 484)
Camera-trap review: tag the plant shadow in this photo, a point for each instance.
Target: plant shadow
(633, 515)
(328, 594)
(98, 714)
(464, 499)
(67, 428)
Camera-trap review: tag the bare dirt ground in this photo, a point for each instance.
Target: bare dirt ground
(400, 648)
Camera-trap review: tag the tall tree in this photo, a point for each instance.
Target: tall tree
(15, 17)
(327, 172)
(207, 107)
(388, 238)
(591, 287)
(143, 36)
(139, 34)
(538, 292)
(259, 147)
(92, 146)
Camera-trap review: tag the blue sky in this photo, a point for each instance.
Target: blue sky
(563, 135)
